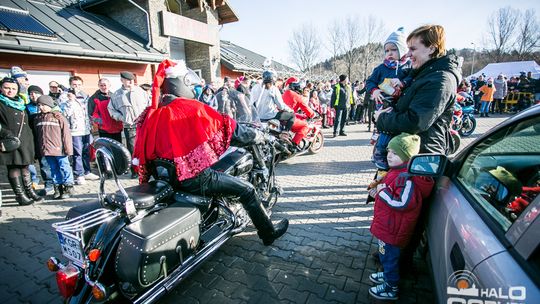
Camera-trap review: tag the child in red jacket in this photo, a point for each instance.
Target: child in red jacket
(398, 201)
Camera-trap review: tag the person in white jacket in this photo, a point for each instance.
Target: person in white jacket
(73, 104)
(267, 99)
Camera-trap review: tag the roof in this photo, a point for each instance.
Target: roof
(509, 69)
(239, 59)
(225, 12)
(76, 33)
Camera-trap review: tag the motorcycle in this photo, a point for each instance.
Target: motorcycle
(463, 120)
(137, 244)
(312, 143)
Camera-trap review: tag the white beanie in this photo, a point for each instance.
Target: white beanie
(399, 40)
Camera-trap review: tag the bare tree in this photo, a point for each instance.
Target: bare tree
(371, 50)
(352, 36)
(304, 47)
(335, 41)
(502, 25)
(528, 38)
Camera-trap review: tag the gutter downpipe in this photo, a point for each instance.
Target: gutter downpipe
(147, 22)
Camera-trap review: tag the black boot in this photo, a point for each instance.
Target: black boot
(67, 191)
(20, 195)
(267, 232)
(27, 184)
(57, 192)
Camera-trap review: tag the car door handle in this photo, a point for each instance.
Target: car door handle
(456, 258)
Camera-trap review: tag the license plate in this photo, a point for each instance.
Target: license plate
(71, 248)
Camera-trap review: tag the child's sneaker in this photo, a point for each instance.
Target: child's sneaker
(384, 292)
(377, 277)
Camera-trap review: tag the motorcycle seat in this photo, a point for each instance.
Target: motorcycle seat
(144, 196)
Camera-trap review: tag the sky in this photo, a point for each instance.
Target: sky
(265, 26)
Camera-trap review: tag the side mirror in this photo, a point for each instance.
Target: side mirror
(427, 164)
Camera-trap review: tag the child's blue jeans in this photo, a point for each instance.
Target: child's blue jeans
(380, 152)
(389, 256)
(61, 171)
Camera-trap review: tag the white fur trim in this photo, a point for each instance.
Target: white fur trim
(180, 69)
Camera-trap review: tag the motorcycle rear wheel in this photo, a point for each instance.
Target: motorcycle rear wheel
(318, 144)
(468, 126)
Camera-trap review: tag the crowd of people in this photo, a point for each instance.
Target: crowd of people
(56, 130)
(501, 94)
(408, 99)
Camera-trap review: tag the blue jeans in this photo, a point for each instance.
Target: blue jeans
(81, 154)
(33, 173)
(389, 256)
(60, 170)
(485, 107)
(380, 152)
(45, 171)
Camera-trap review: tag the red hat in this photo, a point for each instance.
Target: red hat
(291, 80)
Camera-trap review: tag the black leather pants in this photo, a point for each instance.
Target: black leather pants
(211, 182)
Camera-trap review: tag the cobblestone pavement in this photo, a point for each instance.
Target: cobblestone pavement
(324, 257)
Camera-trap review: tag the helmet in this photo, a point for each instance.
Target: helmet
(268, 77)
(181, 85)
(296, 86)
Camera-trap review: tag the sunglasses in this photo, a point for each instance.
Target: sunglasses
(53, 87)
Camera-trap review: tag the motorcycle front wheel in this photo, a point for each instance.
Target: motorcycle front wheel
(317, 144)
(468, 126)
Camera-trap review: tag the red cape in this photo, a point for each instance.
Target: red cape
(186, 131)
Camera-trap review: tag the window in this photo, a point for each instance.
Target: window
(502, 171)
(18, 21)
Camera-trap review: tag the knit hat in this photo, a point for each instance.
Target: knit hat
(342, 77)
(17, 72)
(46, 100)
(399, 40)
(506, 178)
(405, 145)
(35, 88)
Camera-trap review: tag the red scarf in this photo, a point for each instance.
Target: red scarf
(186, 131)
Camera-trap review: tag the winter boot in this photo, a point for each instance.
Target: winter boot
(20, 195)
(67, 191)
(57, 192)
(267, 232)
(30, 192)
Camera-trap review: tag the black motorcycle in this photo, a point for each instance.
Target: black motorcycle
(137, 244)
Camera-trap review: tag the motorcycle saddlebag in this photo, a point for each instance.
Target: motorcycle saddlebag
(156, 242)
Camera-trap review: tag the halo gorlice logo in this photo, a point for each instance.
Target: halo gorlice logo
(463, 288)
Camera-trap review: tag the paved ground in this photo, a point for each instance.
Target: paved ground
(324, 257)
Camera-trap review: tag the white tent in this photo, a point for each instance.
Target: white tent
(509, 69)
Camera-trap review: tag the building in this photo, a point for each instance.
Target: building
(237, 61)
(55, 39)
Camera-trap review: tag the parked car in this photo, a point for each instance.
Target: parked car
(483, 229)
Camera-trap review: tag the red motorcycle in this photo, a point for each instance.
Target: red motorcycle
(312, 143)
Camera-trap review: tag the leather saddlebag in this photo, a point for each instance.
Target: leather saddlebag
(157, 243)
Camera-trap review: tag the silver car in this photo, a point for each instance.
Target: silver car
(483, 229)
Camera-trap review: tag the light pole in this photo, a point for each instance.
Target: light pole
(473, 53)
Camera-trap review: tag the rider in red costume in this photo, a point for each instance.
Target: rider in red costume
(294, 100)
(193, 135)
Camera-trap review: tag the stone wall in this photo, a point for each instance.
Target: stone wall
(202, 56)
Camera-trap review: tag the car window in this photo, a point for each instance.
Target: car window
(502, 173)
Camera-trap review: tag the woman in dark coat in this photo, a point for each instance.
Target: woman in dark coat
(12, 114)
(425, 107)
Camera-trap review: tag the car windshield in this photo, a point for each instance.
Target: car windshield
(502, 172)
